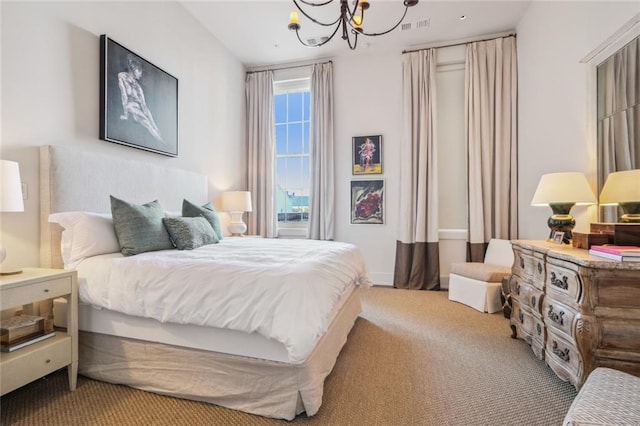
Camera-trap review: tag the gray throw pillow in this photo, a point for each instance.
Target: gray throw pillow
(139, 228)
(188, 233)
(207, 211)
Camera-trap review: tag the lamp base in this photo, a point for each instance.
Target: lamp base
(631, 212)
(236, 225)
(561, 221)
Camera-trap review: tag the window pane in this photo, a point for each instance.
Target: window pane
(280, 107)
(306, 105)
(305, 174)
(294, 174)
(281, 139)
(281, 172)
(295, 138)
(305, 132)
(295, 106)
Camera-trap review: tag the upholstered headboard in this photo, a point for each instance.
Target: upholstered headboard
(75, 180)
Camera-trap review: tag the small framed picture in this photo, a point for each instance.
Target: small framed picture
(367, 202)
(367, 155)
(558, 237)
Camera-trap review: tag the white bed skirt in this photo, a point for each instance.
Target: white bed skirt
(257, 386)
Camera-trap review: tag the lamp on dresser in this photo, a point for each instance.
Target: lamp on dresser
(10, 198)
(623, 189)
(236, 203)
(561, 191)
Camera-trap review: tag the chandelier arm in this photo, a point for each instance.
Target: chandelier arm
(320, 44)
(352, 14)
(315, 21)
(390, 29)
(355, 42)
(308, 3)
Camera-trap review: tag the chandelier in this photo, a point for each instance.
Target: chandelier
(350, 20)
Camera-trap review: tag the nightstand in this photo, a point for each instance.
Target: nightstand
(39, 359)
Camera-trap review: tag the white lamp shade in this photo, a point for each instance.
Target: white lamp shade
(11, 197)
(621, 187)
(236, 201)
(565, 187)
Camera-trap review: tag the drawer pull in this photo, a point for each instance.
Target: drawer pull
(562, 354)
(563, 284)
(539, 329)
(539, 268)
(47, 361)
(533, 301)
(518, 289)
(522, 263)
(556, 316)
(521, 317)
(46, 290)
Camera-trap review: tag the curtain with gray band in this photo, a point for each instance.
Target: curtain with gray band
(321, 161)
(619, 116)
(260, 150)
(491, 138)
(417, 249)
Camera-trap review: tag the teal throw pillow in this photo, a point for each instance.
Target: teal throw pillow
(188, 233)
(207, 211)
(139, 228)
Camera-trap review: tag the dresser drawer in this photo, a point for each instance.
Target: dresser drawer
(522, 319)
(558, 316)
(522, 264)
(563, 357)
(539, 271)
(563, 281)
(49, 289)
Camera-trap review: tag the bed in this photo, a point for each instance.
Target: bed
(249, 334)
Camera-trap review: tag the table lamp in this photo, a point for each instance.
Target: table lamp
(623, 189)
(10, 198)
(236, 203)
(561, 191)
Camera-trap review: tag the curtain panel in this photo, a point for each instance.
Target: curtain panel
(417, 249)
(260, 149)
(321, 161)
(491, 139)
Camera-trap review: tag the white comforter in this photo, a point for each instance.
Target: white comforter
(285, 290)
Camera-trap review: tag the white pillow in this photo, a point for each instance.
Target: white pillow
(85, 234)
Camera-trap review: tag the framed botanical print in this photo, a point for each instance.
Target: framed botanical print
(367, 201)
(367, 155)
(138, 101)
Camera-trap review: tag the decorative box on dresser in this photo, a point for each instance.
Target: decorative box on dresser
(577, 311)
(39, 359)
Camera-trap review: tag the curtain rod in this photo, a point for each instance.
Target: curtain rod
(437, 46)
(289, 67)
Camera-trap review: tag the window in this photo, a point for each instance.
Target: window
(291, 110)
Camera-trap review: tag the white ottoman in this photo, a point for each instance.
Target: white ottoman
(608, 397)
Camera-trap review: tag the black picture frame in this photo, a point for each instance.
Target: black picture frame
(366, 161)
(367, 202)
(138, 101)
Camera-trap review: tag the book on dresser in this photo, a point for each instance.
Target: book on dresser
(612, 252)
(27, 340)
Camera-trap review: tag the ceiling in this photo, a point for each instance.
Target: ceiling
(256, 31)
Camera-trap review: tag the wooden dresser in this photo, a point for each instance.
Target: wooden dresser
(577, 311)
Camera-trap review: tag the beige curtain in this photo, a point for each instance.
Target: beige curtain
(417, 250)
(321, 199)
(260, 129)
(619, 116)
(491, 137)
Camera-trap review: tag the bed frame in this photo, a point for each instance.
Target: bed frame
(72, 180)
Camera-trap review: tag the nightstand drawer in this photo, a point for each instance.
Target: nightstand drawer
(22, 295)
(32, 362)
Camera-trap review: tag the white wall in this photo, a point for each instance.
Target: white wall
(50, 84)
(553, 37)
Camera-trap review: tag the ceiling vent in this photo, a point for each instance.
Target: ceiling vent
(317, 40)
(408, 26)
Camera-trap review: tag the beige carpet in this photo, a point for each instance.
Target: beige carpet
(413, 358)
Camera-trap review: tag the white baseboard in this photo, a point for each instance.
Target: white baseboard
(381, 278)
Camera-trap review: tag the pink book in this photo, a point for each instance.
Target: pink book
(619, 250)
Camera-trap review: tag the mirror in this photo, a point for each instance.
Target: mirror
(618, 116)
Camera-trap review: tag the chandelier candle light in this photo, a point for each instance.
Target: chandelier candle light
(350, 20)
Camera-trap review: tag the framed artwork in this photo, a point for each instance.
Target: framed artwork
(367, 155)
(558, 237)
(138, 101)
(367, 201)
